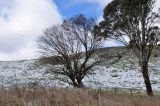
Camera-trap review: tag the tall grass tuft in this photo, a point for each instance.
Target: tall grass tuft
(15, 96)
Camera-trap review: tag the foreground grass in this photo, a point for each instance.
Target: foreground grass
(70, 97)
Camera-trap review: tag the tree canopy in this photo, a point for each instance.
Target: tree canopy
(72, 45)
(135, 24)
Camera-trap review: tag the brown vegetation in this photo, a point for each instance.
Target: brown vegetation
(71, 97)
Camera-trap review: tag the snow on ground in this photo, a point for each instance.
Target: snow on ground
(122, 74)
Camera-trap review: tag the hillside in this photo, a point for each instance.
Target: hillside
(119, 69)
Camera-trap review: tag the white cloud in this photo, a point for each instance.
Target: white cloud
(29, 52)
(21, 22)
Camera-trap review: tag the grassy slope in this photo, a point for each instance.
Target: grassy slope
(78, 97)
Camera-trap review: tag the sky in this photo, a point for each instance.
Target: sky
(22, 22)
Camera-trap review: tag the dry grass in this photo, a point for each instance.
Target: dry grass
(71, 97)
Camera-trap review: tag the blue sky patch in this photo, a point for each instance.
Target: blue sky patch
(70, 8)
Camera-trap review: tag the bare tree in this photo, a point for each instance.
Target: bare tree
(72, 45)
(133, 23)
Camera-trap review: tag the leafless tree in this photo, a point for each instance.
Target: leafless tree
(72, 45)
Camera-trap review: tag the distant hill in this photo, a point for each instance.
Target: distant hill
(119, 69)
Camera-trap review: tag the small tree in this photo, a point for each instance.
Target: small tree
(133, 23)
(72, 45)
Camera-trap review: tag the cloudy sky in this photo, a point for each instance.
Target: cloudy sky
(23, 21)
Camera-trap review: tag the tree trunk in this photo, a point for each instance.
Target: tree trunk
(147, 80)
(78, 84)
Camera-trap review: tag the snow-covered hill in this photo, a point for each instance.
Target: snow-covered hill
(113, 72)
